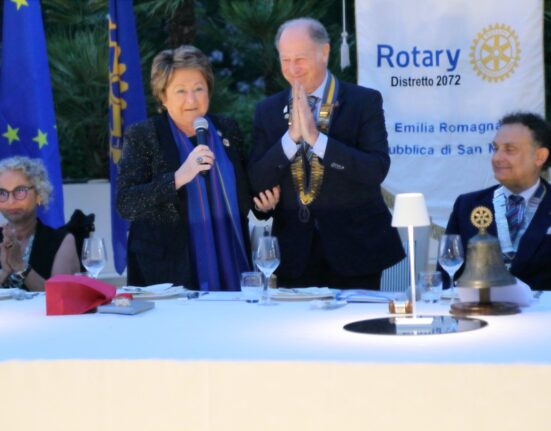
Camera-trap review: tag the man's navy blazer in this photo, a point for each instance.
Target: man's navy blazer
(350, 214)
(532, 262)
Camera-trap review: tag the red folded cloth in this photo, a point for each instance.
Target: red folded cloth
(76, 294)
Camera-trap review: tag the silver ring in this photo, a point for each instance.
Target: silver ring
(199, 160)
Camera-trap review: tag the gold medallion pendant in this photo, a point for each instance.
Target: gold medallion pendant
(308, 185)
(307, 191)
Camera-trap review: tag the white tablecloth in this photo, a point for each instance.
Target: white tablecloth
(230, 365)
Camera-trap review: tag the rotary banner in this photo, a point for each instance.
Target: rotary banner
(126, 104)
(448, 71)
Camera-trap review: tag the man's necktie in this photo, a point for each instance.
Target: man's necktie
(305, 148)
(515, 214)
(312, 102)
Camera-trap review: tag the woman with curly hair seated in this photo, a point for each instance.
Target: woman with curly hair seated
(30, 251)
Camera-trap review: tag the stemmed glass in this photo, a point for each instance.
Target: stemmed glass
(451, 257)
(94, 256)
(258, 232)
(267, 260)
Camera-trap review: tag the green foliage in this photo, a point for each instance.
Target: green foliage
(153, 9)
(78, 65)
(240, 106)
(76, 35)
(74, 14)
(78, 52)
(253, 25)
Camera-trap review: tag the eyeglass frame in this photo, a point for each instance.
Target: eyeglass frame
(18, 189)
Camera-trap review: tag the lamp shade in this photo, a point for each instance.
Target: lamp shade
(410, 210)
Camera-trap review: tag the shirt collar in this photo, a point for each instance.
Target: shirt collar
(318, 92)
(526, 194)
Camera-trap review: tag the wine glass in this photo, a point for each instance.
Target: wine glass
(451, 257)
(94, 256)
(258, 232)
(267, 260)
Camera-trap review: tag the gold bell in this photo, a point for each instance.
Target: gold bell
(484, 269)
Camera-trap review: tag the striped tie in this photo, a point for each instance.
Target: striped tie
(312, 101)
(515, 214)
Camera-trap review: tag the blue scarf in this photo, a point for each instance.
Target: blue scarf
(217, 239)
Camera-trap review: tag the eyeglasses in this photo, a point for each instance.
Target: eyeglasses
(19, 193)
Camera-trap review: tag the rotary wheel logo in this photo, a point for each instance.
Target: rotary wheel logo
(495, 52)
(481, 217)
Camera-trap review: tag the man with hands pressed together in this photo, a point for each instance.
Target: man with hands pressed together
(324, 143)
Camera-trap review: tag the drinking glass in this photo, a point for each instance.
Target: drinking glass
(258, 232)
(451, 257)
(251, 286)
(94, 256)
(267, 260)
(430, 284)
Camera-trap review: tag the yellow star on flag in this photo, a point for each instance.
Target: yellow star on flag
(11, 135)
(41, 138)
(20, 3)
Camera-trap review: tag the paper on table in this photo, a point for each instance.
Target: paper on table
(303, 293)
(518, 293)
(155, 291)
(327, 304)
(154, 288)
(7, 292)
(364, 295)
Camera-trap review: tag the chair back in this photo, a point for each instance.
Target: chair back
(397, 277)
(80, 225)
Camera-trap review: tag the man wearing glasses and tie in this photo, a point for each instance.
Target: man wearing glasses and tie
(521, 203)
(324, 142)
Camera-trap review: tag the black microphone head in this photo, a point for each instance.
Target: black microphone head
(200, 123)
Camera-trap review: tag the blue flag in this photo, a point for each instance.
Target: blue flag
(27, 119)
(126, 104)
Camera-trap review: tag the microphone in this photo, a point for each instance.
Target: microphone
(201, 126)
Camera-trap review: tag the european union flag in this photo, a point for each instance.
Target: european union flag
(126, 104)
(27, 119)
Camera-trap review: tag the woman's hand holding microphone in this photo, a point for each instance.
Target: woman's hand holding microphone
(199, 160)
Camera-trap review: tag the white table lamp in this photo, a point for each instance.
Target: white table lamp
(410, 211)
